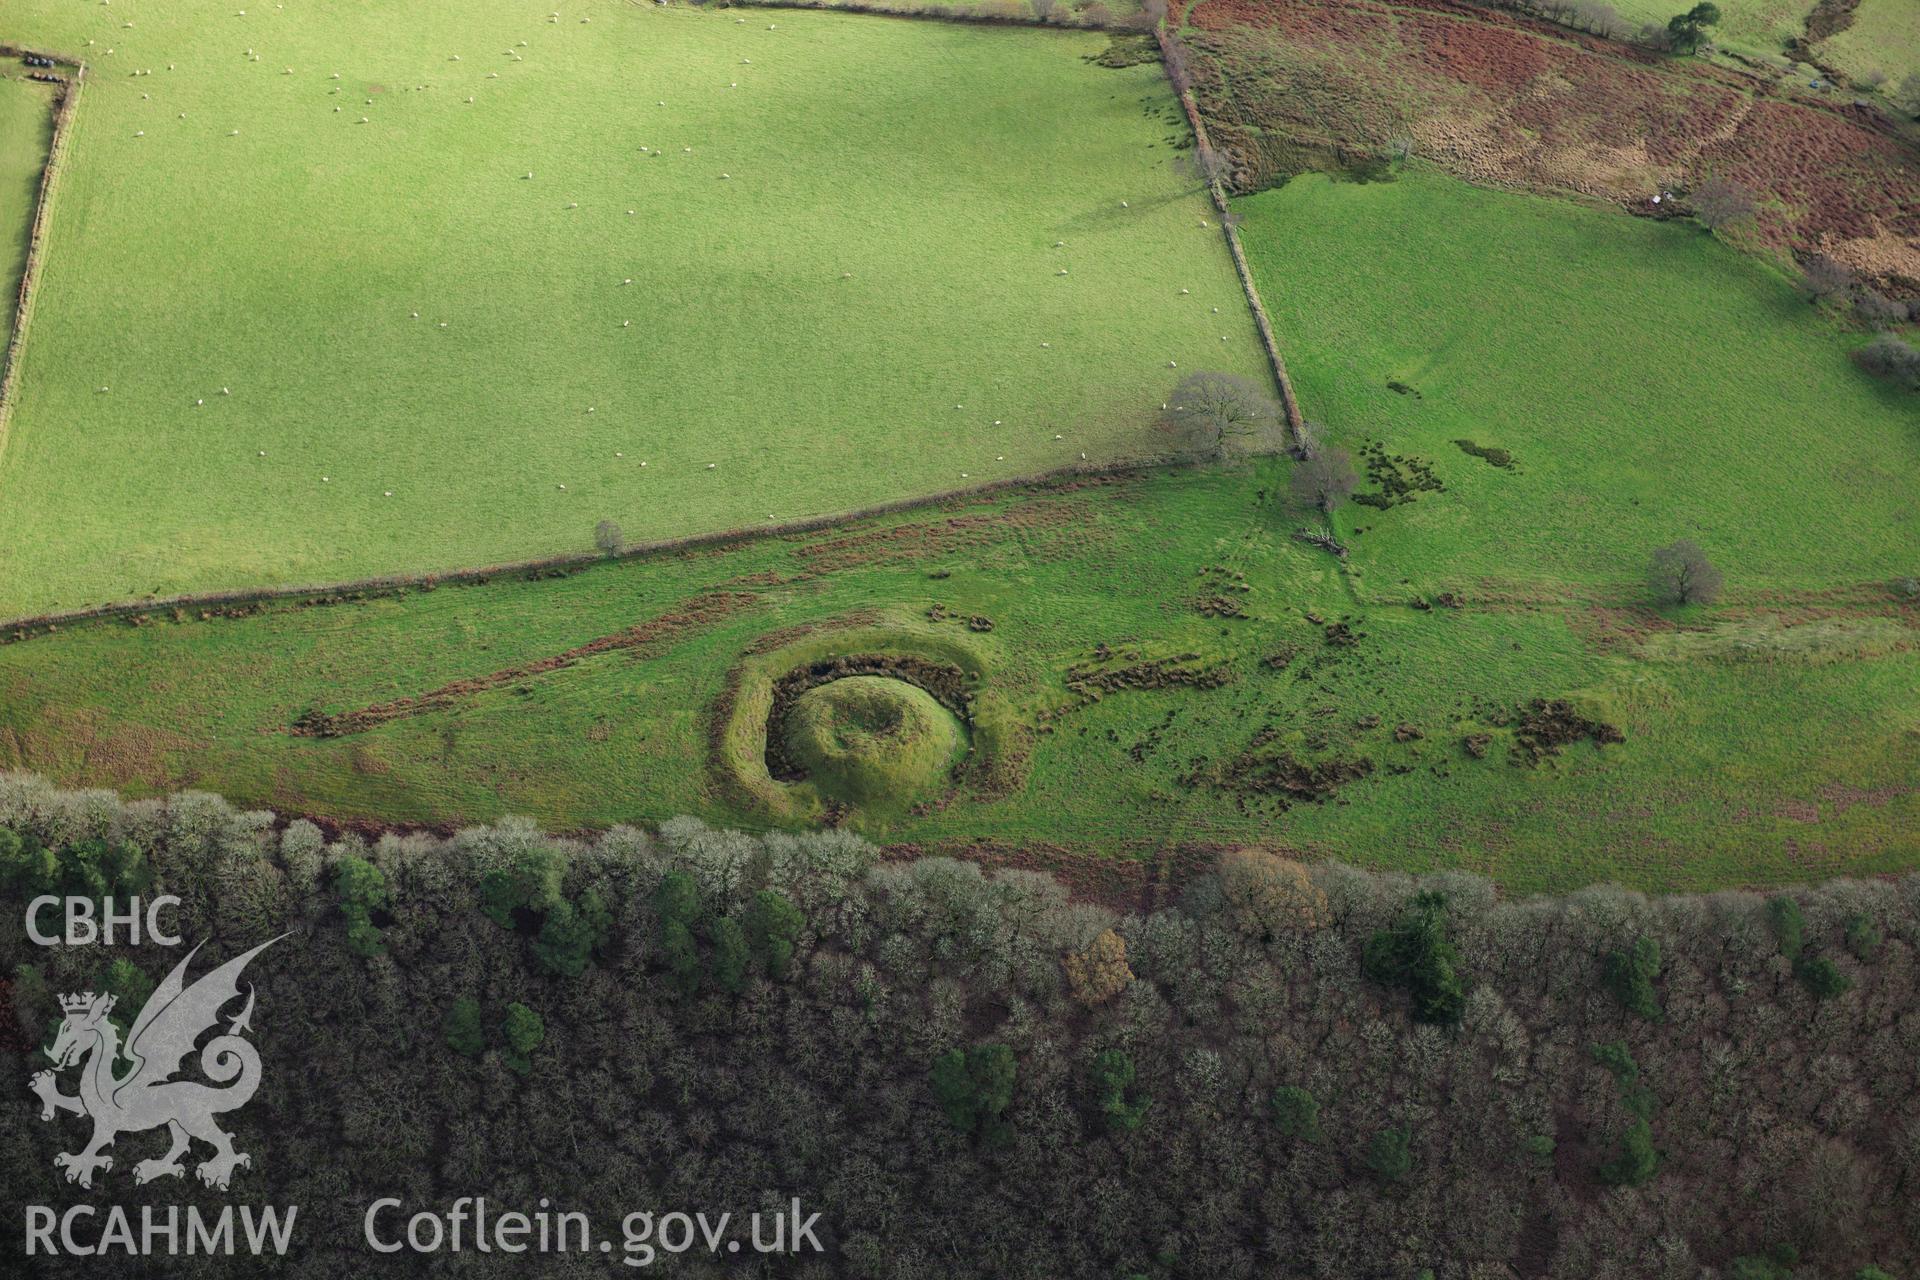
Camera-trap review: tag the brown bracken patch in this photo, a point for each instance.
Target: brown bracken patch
(650, 637)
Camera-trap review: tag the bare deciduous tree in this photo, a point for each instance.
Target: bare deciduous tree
(1325, 480)
(1307, 440)
(1209, 165)
(1826, 280)
(1208, 409)
(1892, 358)
(1720, 203)
(608, 537)
(1682, 574)
(1877, 311)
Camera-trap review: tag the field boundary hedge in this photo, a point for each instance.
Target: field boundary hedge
(1173, 59)
(65, 103)
(14, 630)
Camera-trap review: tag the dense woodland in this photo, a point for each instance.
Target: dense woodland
(1298, 1071)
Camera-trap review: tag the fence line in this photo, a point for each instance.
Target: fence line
(65, 105)
(1173, 58)
(26, 628)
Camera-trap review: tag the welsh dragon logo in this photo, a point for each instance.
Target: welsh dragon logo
(145, 1096)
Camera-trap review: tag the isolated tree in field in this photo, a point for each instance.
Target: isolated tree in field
(1891, 358)
(1720, 204)
(1688, 31)
(1324, 481)
(608, 537)
(1682, 574)
(1825, 280)
(1208, 409)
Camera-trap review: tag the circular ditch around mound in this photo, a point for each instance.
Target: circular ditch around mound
(862, 726)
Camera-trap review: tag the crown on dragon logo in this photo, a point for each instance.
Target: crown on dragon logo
(170, 1027)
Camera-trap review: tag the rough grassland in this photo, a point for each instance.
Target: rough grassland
(1650, 383)
(861, 238)
(1742, 762)
(26, 131)
(1883, 38)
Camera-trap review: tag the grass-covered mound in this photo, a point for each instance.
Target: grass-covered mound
(874, 742)
(852, 722)
(664, 265)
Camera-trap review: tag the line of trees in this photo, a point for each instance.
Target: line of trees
(1283, 1070)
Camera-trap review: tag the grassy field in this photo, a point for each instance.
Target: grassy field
(304, 292)
(26, 131)
(1760, 27)
(1156, 663)
(1883, 39)
(1754, 751)
(1650, 383)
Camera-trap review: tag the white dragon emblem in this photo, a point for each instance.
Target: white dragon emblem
(172, 1019)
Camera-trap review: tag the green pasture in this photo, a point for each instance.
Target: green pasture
(1649, 382)
(1154, 662)
(1883, 40)
(1754, 752)
(1760, 27)
(845, 237)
